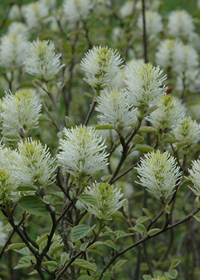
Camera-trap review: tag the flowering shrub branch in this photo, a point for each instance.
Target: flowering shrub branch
(99, 153)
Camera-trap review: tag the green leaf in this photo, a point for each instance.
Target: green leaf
(146, 211)
(152, 231)
(84, 246)
(150, 110)
(197, 216)
(167, 209)
(142, 219)
(24, 262)
(85, 277)
(108, 126)
(140, 228)
(147, 277)
(137, 139)
(111, 244)
(49, 263)
(16, 246)
(64, 258)
(147, 129)
(118, 265)
(41, 239)
(121, 233)
(34, 205)
(170, 140)
(24, 251)
(42, 245)
(85, 265)
(87, 199)
(172, 274)
(80, 231)
(143, 148)
(96, 244)
(27, 188)
(174, 263)
(95, 252)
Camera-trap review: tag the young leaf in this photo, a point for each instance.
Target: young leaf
(85, 265)
(172, 274)
(111, 244)
(140, 228)
(107, 126)
(143, 148)
(142, 219)
(34, 205)
(96, 244)
(153, 230)
(84, 246)
(87, 199)
(118, 265)
(121, 233)
(49, 263)
(85, 277)
(24, 262)
(16, 246)
(174, 263)
(80, 231)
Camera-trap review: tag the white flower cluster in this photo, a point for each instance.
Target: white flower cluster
(41, 60)
(107, 199)
(159, 174)
(37, 164)
(82, 151)
(76, 10)
(194, 176)
(114, 109)
(101, 65)
(153, 22)
(187, 130)
(3, 236)
(19, 113)
(170, 110)
(173, 54)
(12, 50)
(180, 24)
(144, 85)
(34, 14)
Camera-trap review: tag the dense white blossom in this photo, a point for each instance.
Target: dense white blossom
(153, 22)
(101, 65)
(194, 176)
(82, 151)
(41, 60)
(170, 110)
(166, 52)
(173, 54)
(10, 178)
(126, 9)
(12, 50)
(144, 85)
(159, 174)
(18, 28)
(189, 81)
(3, 236)
(180, 23)
(77, 10)
(49, 3)
(187, 130)
(35, 160)
(34, 14)
(185, 58)
(114, 110)
(107, 200)
(19, 113)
